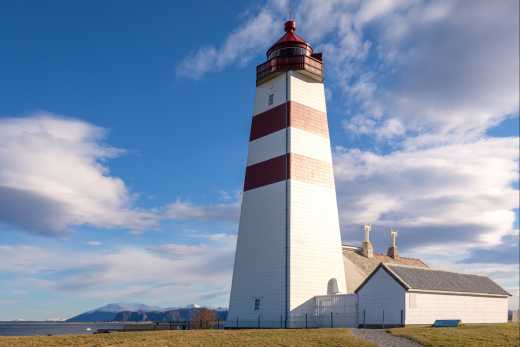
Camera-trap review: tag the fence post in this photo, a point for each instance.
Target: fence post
(189, 325)
(364, 318)
(237, 322)
(331, 321)
(306, 321)
(281, 322)
(218, 323)
(383, 319)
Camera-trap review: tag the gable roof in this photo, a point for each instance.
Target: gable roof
(368, 265)
(425, 279)
(446, 281)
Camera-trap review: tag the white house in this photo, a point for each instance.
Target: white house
(395, 295)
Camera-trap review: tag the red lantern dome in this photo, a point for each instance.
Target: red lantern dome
(290, 52)
(289, 44)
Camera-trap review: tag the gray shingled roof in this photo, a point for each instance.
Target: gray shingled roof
(436, 280)
(367, 265)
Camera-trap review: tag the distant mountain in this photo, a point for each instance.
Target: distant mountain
(120, 307)
(93, 317)
(193, 306)
(110, 311)
(132, 312)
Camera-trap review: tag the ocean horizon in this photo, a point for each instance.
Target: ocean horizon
(44, 328)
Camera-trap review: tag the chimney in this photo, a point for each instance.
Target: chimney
(368, 250)
(392, 250)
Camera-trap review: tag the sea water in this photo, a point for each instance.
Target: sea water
(53, 328)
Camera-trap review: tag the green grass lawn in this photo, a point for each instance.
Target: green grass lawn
(264, 337)
(499, 335)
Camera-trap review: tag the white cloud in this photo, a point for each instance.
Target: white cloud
(453, 193)
(182, 210)
(442, 68)
(406, 66)
(54, 176)
(168, 274)
(239, 47)
(94, 243)
(426, 79)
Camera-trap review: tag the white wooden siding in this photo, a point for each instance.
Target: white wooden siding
(307, 91)
(276, 87)
(381, 297)
(301, 142)
(310, 145)
(315, 243)
(423, 308)
(267, 147)
(260, 257)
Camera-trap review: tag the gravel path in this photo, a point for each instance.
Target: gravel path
(383, 339)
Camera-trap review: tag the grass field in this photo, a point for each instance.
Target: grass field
(264, 337)
(488, 335)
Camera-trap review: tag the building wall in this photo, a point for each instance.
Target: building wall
(315, 241)
(276, 87)
(260, 258)
(354, 276)
(381, 301)
(314, 238)
(301, 142)
(289, 200)
(422, 308)
(306, 91)
(259, 270)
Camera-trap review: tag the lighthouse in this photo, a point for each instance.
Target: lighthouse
(289, 244)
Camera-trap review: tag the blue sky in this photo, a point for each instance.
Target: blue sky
(124, 130)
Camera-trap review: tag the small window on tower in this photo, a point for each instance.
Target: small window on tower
(257, 304)
(271, 99)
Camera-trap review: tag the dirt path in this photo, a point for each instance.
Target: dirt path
(383, 339)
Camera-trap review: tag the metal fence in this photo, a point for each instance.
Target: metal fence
(304, 321)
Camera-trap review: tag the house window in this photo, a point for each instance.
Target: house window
(271, 99)
(257, 304)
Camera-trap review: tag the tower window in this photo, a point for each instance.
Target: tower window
(271, 99)
(257, 304)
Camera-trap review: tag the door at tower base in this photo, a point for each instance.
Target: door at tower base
(289, 244)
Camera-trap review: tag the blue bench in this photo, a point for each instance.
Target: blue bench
(446, 323)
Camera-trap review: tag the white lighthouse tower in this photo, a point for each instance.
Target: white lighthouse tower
(289, 243)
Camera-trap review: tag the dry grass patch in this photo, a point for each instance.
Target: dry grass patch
(488, 335)
(264, 337)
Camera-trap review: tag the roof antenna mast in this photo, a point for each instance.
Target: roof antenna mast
(290, 10)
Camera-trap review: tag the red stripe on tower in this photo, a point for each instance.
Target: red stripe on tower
(299, 116)
(288, 166)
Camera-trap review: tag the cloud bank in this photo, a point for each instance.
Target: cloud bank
(168, 274)
(422, 82)
(54, 176)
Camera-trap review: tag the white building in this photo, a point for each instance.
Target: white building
(290, 268)
(395, 295)
(289, 243)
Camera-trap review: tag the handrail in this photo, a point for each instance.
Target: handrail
(299, 62)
